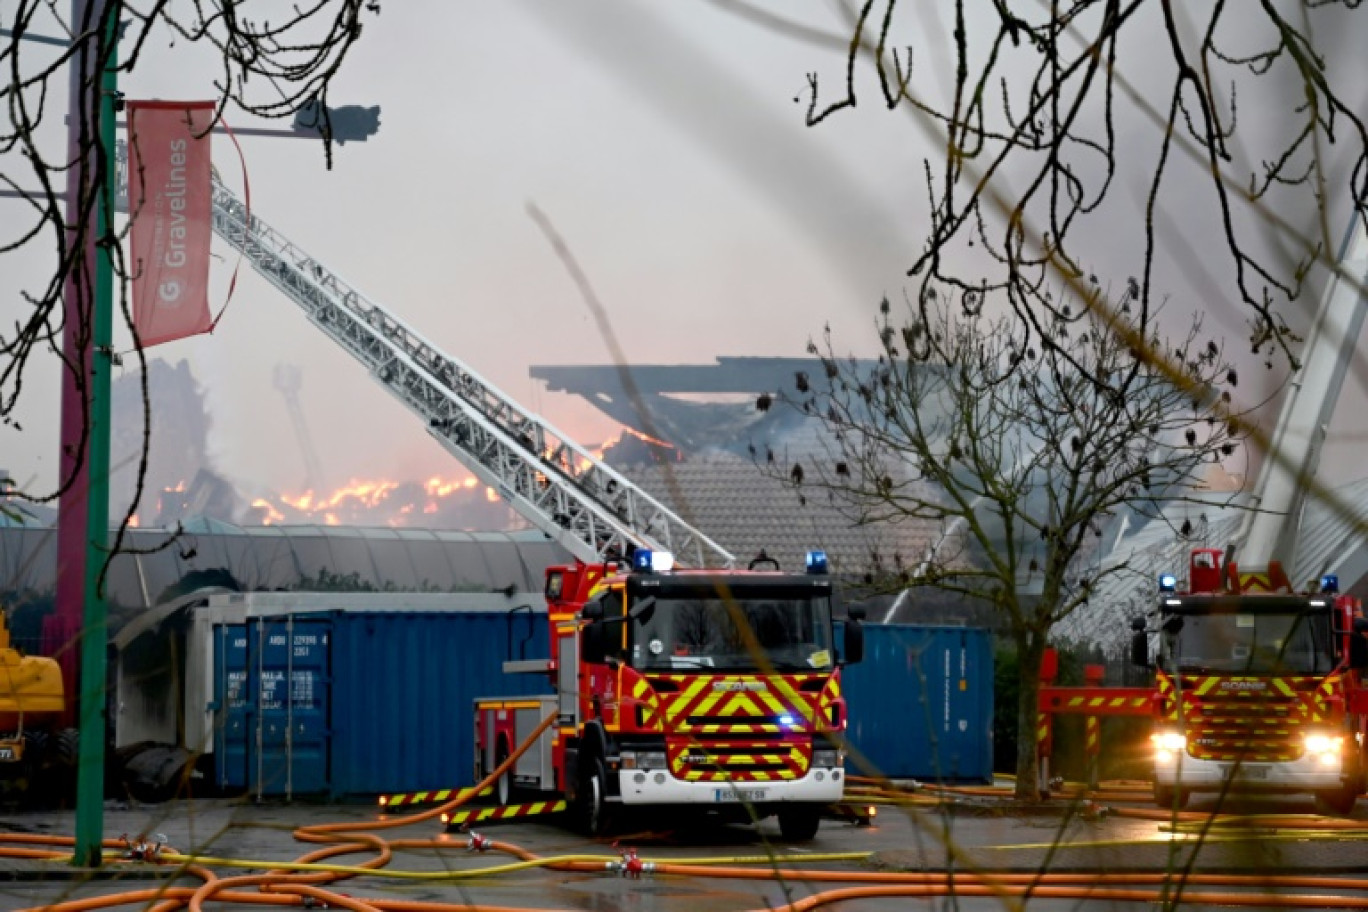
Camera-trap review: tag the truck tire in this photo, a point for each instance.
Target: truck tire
(594, 817)
(67, 747)
(1337, 802)
(800, 823)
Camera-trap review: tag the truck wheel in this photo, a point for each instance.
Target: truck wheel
(799, 824)
(594, 816)
(1337, 802)
(1170, 798)
(68, 747)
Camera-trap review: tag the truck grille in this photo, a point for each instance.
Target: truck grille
(1239, 719)
(738, 761)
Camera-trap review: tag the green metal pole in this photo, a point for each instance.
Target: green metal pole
(94, 639)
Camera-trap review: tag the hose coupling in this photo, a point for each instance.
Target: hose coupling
(141, 849)
(1095, 811)
(479, 843)
(631, 865)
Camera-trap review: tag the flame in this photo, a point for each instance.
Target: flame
(596, 453)
(272, 515)
(303, 502)
(374, 501)
(648, 438)
(178, 489)
(370, 493)
(133, 521)
(437, 486)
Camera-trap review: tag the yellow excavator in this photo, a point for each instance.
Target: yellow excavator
(34, 750)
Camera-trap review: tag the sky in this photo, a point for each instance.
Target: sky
(664, 143)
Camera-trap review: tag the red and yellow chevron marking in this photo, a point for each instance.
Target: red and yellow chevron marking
(731, 701)
(434, 797)
(1104, 705)
(1092, 736)
(738, 761)
(1247, 717)
(506, 812)
(642, 694)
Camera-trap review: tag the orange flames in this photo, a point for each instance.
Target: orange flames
(647, 437)
(371, 502)
(270, 515)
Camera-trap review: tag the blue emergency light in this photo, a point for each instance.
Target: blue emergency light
(816, 562)
(1168, 582)
(1330, 583)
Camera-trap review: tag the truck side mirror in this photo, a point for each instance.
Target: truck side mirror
(1140, 649)
(593, 649)
(1358, 645)
(853, 651)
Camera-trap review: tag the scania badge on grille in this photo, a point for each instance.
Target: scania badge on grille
(739, 685)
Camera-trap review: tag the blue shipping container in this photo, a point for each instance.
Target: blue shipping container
(273, 675)
(921, 704)
(377, 701)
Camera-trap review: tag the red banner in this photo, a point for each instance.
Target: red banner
(169, 203)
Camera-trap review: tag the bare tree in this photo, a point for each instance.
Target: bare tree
(1033, 147)
(991, 431)
(270, 68)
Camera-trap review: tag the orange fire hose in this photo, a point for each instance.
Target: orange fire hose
(289, 889)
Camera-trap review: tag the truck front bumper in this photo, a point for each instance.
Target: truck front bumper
(1307, 774)
(817, 786)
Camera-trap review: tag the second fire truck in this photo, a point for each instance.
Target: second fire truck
(1259, 687)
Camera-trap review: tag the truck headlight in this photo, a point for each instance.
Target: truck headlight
(1326, 748)
(1167, 744)
(1169, 740)
(645, 760)
(827, 759)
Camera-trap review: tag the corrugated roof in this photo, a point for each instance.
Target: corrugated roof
(282, 557)
(735, 504)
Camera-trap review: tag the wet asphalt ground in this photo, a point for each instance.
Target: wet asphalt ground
(967, 836)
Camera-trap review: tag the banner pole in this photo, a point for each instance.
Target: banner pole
(95, 639)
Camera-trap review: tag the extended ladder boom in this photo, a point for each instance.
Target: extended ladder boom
(592, 510)
(1293, 457)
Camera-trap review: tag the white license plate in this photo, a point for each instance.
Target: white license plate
(738, 795)
(1245, 771)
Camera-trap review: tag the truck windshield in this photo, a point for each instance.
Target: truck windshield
(1254, 643)
(794, 634)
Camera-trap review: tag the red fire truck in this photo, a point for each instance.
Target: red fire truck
(715, 688)
(708, 692)
(1259, 688)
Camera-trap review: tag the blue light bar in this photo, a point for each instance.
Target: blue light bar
(816, 562)
(1168, 582)
(641, 560)
(1330, 583)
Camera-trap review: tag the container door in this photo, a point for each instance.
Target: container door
(233, 716)
(290, 689)
(965, 734)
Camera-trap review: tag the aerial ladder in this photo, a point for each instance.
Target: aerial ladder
(1270, 530)
(1213, 625)
(1245, 643)
(593, 511)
